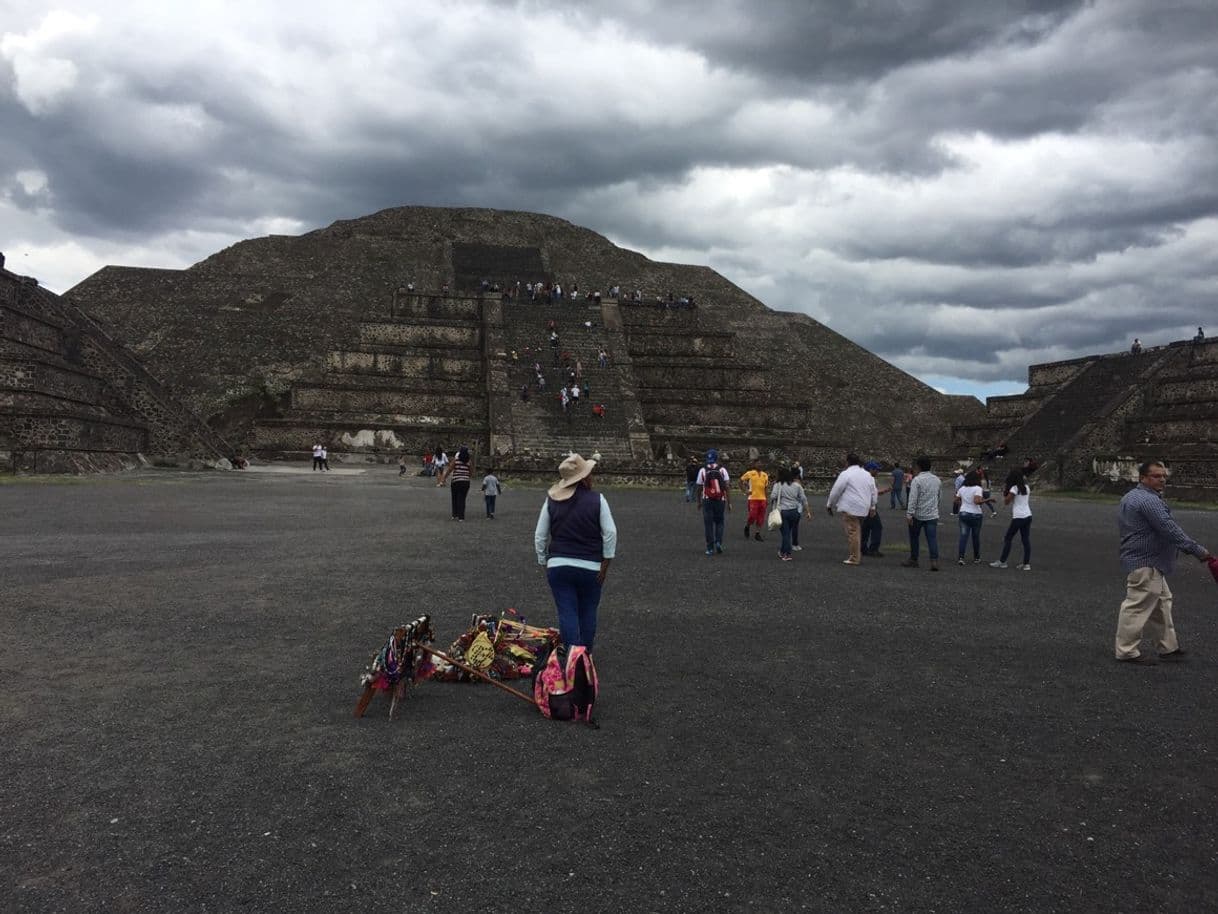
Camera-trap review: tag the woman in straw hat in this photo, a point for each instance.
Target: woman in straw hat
(575, 540)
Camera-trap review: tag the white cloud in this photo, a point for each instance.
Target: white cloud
(41, 77)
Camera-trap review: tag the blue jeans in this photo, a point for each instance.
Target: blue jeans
(712, 521)
(689, 491)
(970, 528)
(872, 532)
(932, 538)
(1022, 525)
(894, 497)
(576, 597)
(490, 505)
(790, 524)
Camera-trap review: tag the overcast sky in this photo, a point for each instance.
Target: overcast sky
(962, 186)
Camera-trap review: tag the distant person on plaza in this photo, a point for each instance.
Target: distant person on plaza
(575, 540)
(971, 498)
(714, 499)
(1029, 467)
(441, 465)
(789, 498)
(325, 458)
(459, 475)
(316, 457)
(958, 473)
(755, 482)
(1017, 494)
(872, 532)
(797, 471)
(853, 496)
(429, 467)
(691, 477)
(922, 514)
(987, 492)
(1136, 347)
(1150, 538)
(491, 487)
(1200, 337)
(401, 465)
(896, 495)
(598, 410)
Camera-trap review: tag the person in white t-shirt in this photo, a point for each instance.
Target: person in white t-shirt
(1016, 494)
(317, 457)
(971, 497)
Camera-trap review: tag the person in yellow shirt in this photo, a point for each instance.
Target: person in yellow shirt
(756, 482)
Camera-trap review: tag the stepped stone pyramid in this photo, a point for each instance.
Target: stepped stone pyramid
(1092, 420)
(379, 336)
(74, 400)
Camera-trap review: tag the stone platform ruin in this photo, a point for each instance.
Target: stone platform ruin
(73, 400)
(403, 331)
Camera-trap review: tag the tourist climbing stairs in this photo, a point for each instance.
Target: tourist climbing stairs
(540, 426)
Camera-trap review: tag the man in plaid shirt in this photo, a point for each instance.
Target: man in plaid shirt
(1150, 539)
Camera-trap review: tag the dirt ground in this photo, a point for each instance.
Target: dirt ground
(180, 659)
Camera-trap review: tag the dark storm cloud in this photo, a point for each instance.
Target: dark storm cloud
(823, 40)
(1016, 181)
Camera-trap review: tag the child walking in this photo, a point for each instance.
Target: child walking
(491, 487)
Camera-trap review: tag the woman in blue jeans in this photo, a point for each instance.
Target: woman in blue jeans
(1016, 494)
(788, 496)
(575, 541)
(972, 497)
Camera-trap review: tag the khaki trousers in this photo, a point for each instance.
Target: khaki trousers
(1147, 607)
(854, 537)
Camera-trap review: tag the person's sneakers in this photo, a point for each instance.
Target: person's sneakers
(850, 562)
(910, 563)
(758, 537)
(1179, 655)
(746, 531)
(934, 566)
(1140, 660)
(710, 552)
(977, 561)
(786, 558)
(877, 554)
(959, 561)
(719, 548)
(1025, 567)
(797, 548)
(998, 564)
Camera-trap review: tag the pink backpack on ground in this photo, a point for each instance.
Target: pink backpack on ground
(565, 687)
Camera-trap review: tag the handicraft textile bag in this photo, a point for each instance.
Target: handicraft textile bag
(565, 686)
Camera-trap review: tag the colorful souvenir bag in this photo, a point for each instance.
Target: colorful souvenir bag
(565, 686)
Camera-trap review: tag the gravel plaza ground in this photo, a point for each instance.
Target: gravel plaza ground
(181, 655)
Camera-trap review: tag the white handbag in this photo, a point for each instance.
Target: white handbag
(774, 521)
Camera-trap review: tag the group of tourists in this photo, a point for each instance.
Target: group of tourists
(782, 502)
(1150, 537)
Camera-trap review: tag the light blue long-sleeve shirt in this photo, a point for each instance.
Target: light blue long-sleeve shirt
(541, 540)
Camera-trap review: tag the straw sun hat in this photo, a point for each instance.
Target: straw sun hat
(570, 472)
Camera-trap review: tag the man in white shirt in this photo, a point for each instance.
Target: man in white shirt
(853, 496)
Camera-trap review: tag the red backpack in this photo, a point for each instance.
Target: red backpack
(565, 686)
(712, 484)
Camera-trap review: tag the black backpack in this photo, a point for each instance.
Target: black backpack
(714, 486)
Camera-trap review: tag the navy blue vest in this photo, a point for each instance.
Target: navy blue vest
(575, 526)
